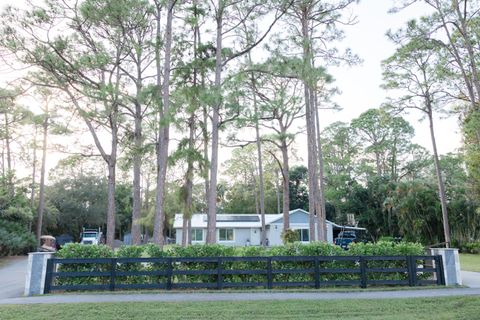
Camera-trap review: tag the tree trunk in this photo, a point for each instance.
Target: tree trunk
(164, 132)
(277, 193)
(310, 123)
(34, 169)
(321, 213)
(41, 204)
(205, 154)
(187, 213)
(312, 168)
(441, 186)
(9, 154)
(137, 164)
(260, 167)
(111, 200)
(212, 192)
(184, 230)
(285, 184)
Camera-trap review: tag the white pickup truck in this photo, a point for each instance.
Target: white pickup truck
(91, 236)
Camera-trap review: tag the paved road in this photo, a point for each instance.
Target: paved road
(471, 279)
(13, 271)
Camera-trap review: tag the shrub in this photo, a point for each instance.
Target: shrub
(131, 252)
(290, 275)
(387, 248)
(77, 250)
(15, 239)
(472, 247)
(290, 236)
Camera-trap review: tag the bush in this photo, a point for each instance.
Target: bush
(131, 252)
(472, 247)
(290, 236)
(387, 248)
(77, 250)
(292, 249)
(15, 239)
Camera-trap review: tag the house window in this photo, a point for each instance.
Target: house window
(225, 234)
(197, 235)
(303, 235)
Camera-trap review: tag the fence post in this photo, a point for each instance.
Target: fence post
(48, 276)
(450, 265)
(412, 271)
(363, 272)
(269, 273)
(439, 270)
(113, 271)
(169, 273)
(219, 274)
(36, 272)
(317, 273)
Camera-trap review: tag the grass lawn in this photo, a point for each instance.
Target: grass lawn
(470, 262)
(404, 309)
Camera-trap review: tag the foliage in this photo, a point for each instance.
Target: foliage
(15, 216)
(77, 250)
(472, 247)
(299, 187)
(81, 201)
(242, 194)
(212, 251)
(14, 239)
(290, 236)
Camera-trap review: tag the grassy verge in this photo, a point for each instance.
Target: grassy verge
(427, 308)
(470, 262)
(259, 290)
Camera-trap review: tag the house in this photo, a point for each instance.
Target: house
(245, 229)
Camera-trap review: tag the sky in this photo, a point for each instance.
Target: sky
(360, 85)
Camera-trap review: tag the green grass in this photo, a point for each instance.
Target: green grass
(404, 309)
(470, 262)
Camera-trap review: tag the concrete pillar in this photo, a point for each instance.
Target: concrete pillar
(451, 265)
(36, 272)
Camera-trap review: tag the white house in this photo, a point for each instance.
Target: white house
(245, 229)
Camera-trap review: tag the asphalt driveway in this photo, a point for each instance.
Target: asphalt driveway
(13, 271)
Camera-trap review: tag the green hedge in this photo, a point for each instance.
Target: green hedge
(295, 249)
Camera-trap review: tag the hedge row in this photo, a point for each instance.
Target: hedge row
(75, 250)
(312, 249)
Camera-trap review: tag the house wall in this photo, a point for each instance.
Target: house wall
(178, 236)
(240, 237)
(255, 236)
(298, 220)
(274, 234)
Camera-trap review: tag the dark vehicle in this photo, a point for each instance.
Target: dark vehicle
(63, 240)
(345, 238)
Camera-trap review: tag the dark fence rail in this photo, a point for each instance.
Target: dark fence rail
(236, 272)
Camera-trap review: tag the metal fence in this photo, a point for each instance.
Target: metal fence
(228, 272)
